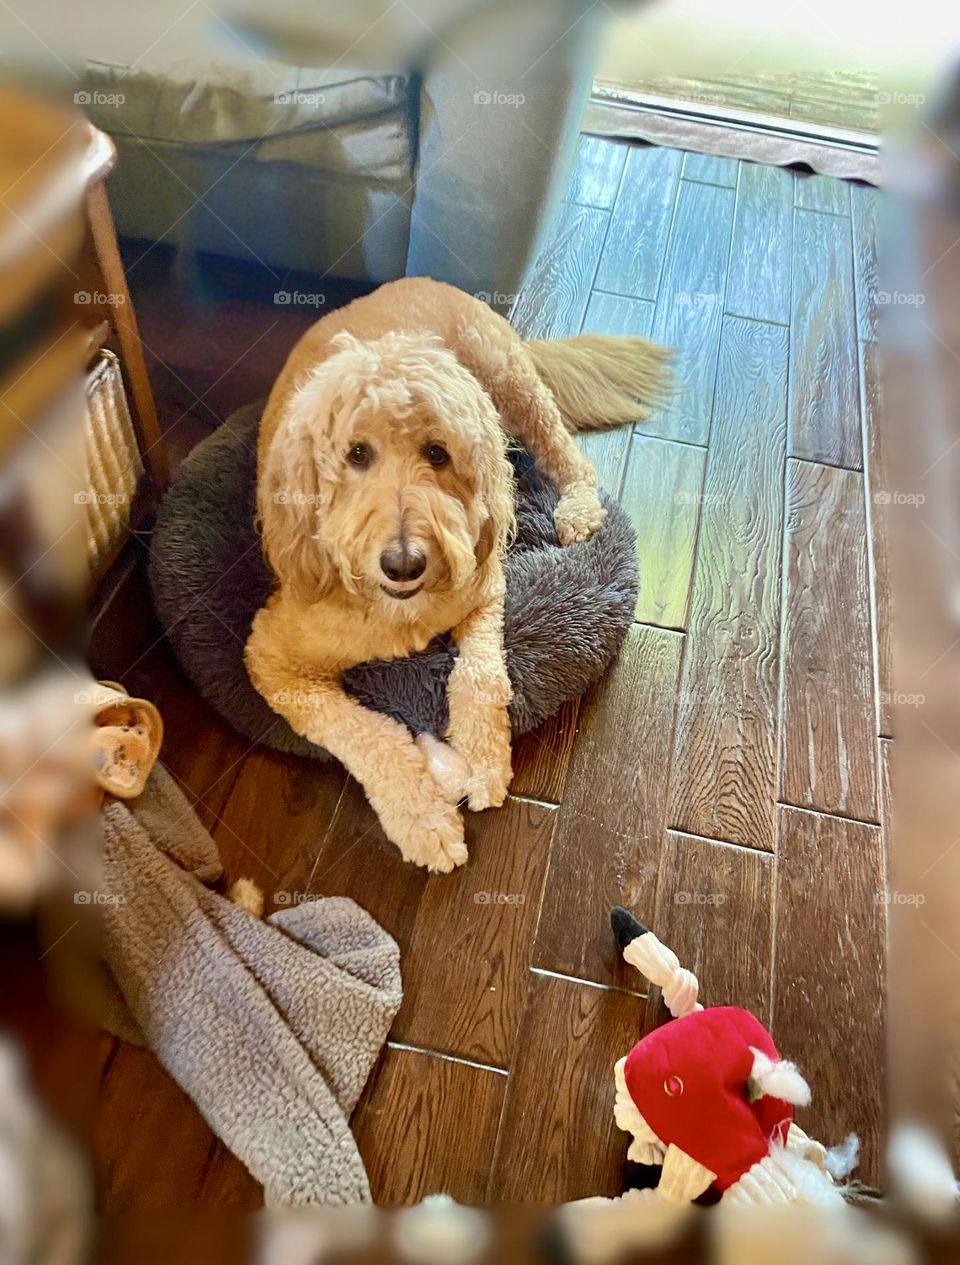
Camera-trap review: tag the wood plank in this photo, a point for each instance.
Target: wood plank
(273, 825)
(760, 256)
(141, 1110)
(661, 493)
(617, 314)
(822, 193)
(427, 1124)
(541, 757)
(465, 970)
(829, 975)
(690, 308)
(865, 203)
(613, 314)
(558, 1140)
(879, 501)
(554, 298)
(597, 172)
(228, 1184)
(710, 169)
(824, 395)
(356, 859)
(640, 223)
(715, 910)
(609, 831)
(828, 748)
(724, 781)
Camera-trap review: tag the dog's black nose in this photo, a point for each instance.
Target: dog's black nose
(403, 562)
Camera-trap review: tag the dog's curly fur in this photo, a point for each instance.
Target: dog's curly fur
(385, 435)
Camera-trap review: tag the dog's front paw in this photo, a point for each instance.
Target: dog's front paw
(490, 768)
(578, 514)
(434, 838)
(487, 788)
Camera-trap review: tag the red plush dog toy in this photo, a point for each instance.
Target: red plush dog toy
(708, 1097)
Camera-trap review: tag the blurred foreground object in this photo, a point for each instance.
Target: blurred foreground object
(45, 1203)
(80, 466)
(917, 469)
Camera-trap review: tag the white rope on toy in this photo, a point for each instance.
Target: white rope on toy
(660, 965)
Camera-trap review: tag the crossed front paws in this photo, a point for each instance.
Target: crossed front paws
(579, 514)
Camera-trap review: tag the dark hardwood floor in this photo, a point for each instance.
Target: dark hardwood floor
(722, 780)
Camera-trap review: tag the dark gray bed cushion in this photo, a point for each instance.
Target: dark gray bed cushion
(567, 610)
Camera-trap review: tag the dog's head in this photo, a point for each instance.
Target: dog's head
(387, 474)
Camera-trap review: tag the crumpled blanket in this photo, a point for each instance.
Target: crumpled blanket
(272, 1027)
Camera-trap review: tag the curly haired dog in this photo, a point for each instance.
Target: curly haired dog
(386, 506)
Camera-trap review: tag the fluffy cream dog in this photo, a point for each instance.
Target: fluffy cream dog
(386, 506)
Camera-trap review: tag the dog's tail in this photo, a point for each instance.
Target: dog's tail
(601, 380)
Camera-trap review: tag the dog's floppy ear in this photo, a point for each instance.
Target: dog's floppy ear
(496, 490)
(290, 497)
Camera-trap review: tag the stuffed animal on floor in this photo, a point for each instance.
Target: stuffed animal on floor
(708, 1099)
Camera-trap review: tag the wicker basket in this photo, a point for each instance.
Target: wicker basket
(114, 463)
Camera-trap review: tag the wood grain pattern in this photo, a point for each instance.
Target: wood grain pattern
(617, 314)
(828, 1000)
(710, 169)
(426, 1124)
(640, 223)
(541, 757)
(828, 749)
(823, 193)
(273, 825)
(558, 1139)
(356, 859)
(715, 910)
(613, 314)
(661, 493)
(464, 972)
(761, 252)
(597, 171)
(865, 209)
(724, 781)
(554, 299)
(879, 493)
(824, 395)
(690, 308)
(606, 846)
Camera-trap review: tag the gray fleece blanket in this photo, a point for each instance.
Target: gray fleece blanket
(272, 1027)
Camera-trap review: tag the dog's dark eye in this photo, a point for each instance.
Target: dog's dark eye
(360, 455)
(437, 456)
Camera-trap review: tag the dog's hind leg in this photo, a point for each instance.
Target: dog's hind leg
(529, 413)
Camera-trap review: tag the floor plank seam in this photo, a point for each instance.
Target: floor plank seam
(588, 983)
(447, 1058)
(530, 799)
(756, 320)
(819, 210)
(684, 443)
(720, 843)
(831, 465)
(819, 812)
(714, 184)
(643, 623)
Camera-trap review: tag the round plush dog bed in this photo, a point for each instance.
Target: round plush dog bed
(567, 610)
